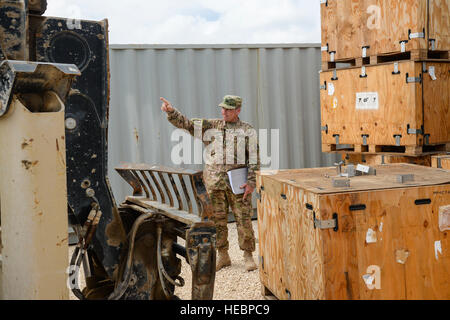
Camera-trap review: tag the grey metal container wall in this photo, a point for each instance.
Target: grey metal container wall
(279, 85)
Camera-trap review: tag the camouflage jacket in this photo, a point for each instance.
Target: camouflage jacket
(214, 134)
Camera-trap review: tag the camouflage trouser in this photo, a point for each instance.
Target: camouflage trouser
(242, 210)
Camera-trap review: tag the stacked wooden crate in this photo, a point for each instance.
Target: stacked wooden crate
(347, 233)
(385, 86)
(441, 161)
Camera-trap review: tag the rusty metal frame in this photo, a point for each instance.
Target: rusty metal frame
(199, 234)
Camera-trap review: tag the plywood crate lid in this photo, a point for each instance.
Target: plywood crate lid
(320, 180)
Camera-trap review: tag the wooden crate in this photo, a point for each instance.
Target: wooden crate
(377, 159)
(385, 229)
(401, 101)
(380, 26)
(441, 161)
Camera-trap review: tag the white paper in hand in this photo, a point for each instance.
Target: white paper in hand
(237, 178)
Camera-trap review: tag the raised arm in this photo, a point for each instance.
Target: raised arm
(176, 118)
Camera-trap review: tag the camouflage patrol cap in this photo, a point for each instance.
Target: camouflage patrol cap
(231, 102)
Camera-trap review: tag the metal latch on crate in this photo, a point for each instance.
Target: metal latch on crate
(324, 2)
(396, 71)
(336, 136)
(403, 178)
(416, 35)
(432, 44)
(341, 182)
(363, 72)
(323, 86)
(413, 79)
(324, 48)
(414, 131)
(403, 45)
(365, 136)
(326, 224)
(332, 54)
(324, 128)
(364, 51)
(258, 194)
(398, 138)
(334, 75)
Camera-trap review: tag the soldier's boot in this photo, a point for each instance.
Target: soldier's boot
(224, 259)
(249, 262)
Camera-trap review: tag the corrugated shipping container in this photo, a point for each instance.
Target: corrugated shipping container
(279, 85)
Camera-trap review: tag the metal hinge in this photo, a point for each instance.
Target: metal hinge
(324, 2)
(324, 49)
(326, 224)
(258, 196)
(324, 128)
(323, 86)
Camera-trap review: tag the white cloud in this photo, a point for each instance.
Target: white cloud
(199, 21)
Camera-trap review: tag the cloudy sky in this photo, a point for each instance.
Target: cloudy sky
(199, 21)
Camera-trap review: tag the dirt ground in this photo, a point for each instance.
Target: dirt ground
(232, 283)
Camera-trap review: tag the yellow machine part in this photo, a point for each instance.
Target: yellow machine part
(33, 198)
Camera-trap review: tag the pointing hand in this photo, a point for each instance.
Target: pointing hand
(166, 105)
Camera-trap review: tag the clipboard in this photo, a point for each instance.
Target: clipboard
(237, 178)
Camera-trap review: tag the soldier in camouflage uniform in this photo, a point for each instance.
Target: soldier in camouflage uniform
(215, 172)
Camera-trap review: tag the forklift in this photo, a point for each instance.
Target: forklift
(59, 68)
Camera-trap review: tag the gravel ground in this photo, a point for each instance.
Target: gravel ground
(232, 283)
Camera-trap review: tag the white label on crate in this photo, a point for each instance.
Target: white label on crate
(362, 168)
(437, 249)
(444, 218)
(330, 89)
(371, 236)
(367, 101)
(401, 256)
(432, 73)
